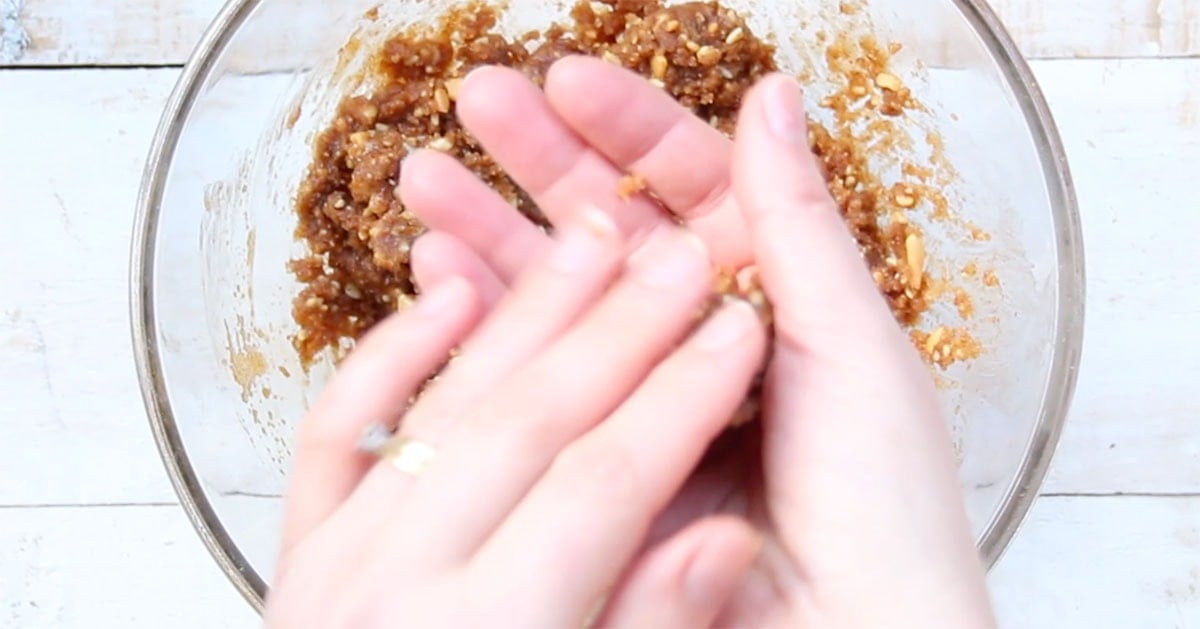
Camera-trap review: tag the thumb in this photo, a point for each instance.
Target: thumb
(811, 267)
(686, 581)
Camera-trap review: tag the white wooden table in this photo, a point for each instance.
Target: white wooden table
(90, 532)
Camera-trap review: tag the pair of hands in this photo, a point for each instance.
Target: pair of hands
(570, 476)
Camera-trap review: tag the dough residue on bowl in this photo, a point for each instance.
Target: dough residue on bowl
(359, 234)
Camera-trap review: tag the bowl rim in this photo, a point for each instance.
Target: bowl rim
(1018, 499)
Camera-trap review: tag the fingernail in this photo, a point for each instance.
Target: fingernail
(729, 325)
(668, 257)
(444, 297)
(583, 241)
(471, 77)
(783, 108)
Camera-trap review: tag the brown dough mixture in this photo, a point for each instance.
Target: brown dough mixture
(360, 235)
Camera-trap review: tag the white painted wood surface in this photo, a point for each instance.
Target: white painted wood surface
(1115, 542)
(156, 32)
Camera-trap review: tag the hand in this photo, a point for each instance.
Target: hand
(577, 408)
(852, 479)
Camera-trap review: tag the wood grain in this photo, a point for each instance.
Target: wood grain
(112, 32)
(1132, 131)
(137, 566)
(155, 32)
(72, 146)
(1080, 562)
(1052, 29)
(1103, 562)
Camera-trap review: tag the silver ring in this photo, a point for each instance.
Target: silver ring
(407, 454)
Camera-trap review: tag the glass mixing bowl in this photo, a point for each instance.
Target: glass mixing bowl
(211, 294)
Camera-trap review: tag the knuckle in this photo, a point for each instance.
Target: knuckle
(560, 383)
(600, 470)
(532, 433)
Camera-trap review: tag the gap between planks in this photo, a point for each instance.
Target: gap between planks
(79, 32)
(179, 66)
(139, 505)
(90, 66)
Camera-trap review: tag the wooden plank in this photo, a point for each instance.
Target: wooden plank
(1103, 562)
(138, 566)
(141, 32)
(112, 32)
(1132, 132)
(80, 137)
(1079, 562)
(1102, 28)
(72, 146)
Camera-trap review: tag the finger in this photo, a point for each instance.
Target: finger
(589, 514)
(575, 271)
(506, 443)
(717, 486)
(374, 383)
(641, 129)
(874, 463)
(553, 292)
(438, 256)
(811, 268)
(685, 582)
(449, 198)
(511, 118)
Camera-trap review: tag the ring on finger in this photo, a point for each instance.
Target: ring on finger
(407, 454)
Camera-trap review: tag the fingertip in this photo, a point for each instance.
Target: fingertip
(438, 257)
(474, 93)
(452, 304)
(429, 259)
(484, 94)
(476, 80)
(794, 222)
(418, 177)
(734, 324)
(729, 549)
(572, 76)
(452, 296)
(773, 163)
(585, 91)
(781, 104)
(565, 72)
